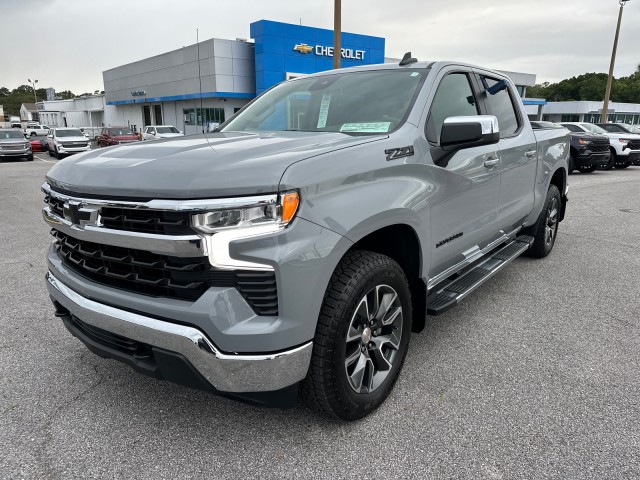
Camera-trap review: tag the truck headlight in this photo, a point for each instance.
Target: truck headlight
(241, 218)
(272, 210)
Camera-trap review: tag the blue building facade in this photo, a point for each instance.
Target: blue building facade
(283, 49)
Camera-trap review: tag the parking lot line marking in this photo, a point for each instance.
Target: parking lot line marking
(43, 160)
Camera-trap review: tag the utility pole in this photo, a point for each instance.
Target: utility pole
(337, 28)
(605, 105)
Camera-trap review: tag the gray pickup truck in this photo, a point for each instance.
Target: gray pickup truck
(293, 251)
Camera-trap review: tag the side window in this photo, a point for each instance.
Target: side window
(572, 128)
(501, 105)
(454, 98)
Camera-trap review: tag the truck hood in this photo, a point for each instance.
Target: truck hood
(215, 165)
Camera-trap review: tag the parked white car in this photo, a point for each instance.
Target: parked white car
(154, 132)
(66, 141)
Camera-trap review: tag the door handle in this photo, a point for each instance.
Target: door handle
(530, 153)
(491, 163)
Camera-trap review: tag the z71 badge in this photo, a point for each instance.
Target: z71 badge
(395, 153)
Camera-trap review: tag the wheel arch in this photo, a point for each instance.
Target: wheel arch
(401, 242)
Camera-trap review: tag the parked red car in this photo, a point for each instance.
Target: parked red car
(37, 144)
(116, 136)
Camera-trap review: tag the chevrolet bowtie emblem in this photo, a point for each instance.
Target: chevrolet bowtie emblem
(303, 48)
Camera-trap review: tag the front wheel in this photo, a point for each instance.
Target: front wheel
(545, 234)
(571, 165)
(33, 134)
(361, 338)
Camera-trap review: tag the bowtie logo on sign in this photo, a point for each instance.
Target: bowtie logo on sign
(324, 51)
(303, 48)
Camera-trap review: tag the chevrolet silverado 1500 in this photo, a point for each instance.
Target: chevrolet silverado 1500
(294, 250)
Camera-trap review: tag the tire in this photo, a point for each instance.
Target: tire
(49, 152)
(612, 160)
(547, 230)
(30, 158)
(33, 134)
(571, 165)
(588, 169)
(56, 153)
(354, 364)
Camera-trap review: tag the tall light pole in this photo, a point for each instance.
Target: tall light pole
(337, 28)
(605, 105)
(33, 84)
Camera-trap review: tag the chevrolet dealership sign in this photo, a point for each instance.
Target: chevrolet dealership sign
(323, 51)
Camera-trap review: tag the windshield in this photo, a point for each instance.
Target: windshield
(117, 132)
(69, 133)
(593, 128)
(11, 134)
(367, 102)
(167, 130)
(631, 128)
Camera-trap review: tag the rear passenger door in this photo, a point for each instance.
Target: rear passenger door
(518, 155)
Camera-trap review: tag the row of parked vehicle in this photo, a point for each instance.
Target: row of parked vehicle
(603, 145)
(63, 141)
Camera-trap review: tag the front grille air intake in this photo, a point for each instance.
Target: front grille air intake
(161, 275)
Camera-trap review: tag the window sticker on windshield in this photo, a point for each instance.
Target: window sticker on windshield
(324, 110)
(369, 127)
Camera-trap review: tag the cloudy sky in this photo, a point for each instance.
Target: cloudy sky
(67, 44)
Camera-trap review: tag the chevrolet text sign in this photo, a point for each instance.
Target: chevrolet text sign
(323, 51)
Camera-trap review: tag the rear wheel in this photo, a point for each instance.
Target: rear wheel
(545, 234)
(362, 337)
(571, 165)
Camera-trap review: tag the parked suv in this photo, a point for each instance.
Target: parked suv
(588, 151)
(13, 144)
(620, 154)
(633, 145)
(116, 136)
(66, 141)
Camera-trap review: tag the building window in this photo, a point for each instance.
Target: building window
(566, 117)
(203, 116)
(521, 89)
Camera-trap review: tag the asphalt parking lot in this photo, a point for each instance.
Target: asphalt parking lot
(536, 375)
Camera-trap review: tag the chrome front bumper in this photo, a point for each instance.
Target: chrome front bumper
(225, 372)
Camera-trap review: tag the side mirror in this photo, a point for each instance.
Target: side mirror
(469, 131)
(181, 132)
(49, 136)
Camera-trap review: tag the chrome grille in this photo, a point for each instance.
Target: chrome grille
(74, 144)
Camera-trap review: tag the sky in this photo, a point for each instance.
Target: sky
(67, 44)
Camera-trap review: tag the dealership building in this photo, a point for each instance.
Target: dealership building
(208, 82)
